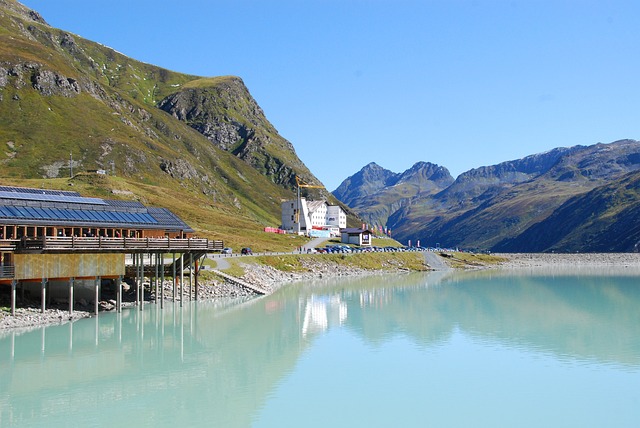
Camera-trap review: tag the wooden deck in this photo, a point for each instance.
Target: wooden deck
(52, 244)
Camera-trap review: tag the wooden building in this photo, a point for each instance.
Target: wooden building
(50, 237)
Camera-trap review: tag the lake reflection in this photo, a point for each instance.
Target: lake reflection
(444, 349)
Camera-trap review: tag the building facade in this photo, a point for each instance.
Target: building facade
(304, 216)
(356, 236)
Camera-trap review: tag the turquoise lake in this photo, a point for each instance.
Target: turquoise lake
(481, 349)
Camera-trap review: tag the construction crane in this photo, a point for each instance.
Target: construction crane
(299, 184)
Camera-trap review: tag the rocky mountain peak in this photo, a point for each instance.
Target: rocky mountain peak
(22, 11)
(369, 180)
(422, 172)
(223, 110)
(375, 192)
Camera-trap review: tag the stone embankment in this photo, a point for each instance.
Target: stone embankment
(266, 277)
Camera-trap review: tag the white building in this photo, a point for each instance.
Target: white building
(355, 236)
(318, 215)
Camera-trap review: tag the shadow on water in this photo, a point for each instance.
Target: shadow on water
(220, 360)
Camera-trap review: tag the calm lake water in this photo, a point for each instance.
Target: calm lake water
(483, 349)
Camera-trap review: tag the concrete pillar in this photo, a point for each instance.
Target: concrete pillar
(190, 275)
(13, 296)
(71, 296)
(162, 281)
(43, 296)
(174, 276)
(196, 277)
(135, 279)
(181, 278)
(119, 294)
(155, 276)
(97, 299)
(141, 279)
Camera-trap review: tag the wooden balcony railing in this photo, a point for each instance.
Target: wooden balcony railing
(101, 244)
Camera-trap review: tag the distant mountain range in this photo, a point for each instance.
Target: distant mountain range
(582, 198)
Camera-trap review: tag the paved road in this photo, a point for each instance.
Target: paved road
(435, 261)
(222, 261)
(315, 242)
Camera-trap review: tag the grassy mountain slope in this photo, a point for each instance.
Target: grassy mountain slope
(65, 97)
(604, 219)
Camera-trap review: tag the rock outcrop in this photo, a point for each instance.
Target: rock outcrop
(223, 110)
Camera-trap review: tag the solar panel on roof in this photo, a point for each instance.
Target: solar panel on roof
(50, 198)
(34, 212)
(124, 204)
(167, 218)
(38, 191)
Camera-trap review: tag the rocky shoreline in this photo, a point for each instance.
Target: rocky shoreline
(270, 279)
(267, 277)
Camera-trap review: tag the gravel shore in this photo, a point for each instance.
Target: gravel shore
(270, 279)
(595, 260)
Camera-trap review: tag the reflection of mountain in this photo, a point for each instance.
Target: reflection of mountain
(574, 317)
(593, 316)
(226, 360)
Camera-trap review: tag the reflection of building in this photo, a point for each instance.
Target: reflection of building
(313, 215)
(320, 311)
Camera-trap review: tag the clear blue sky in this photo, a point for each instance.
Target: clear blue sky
(462, 84)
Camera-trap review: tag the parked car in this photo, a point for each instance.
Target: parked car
(246, 251)
(227, 250)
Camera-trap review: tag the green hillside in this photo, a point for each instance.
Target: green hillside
(70, 105)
